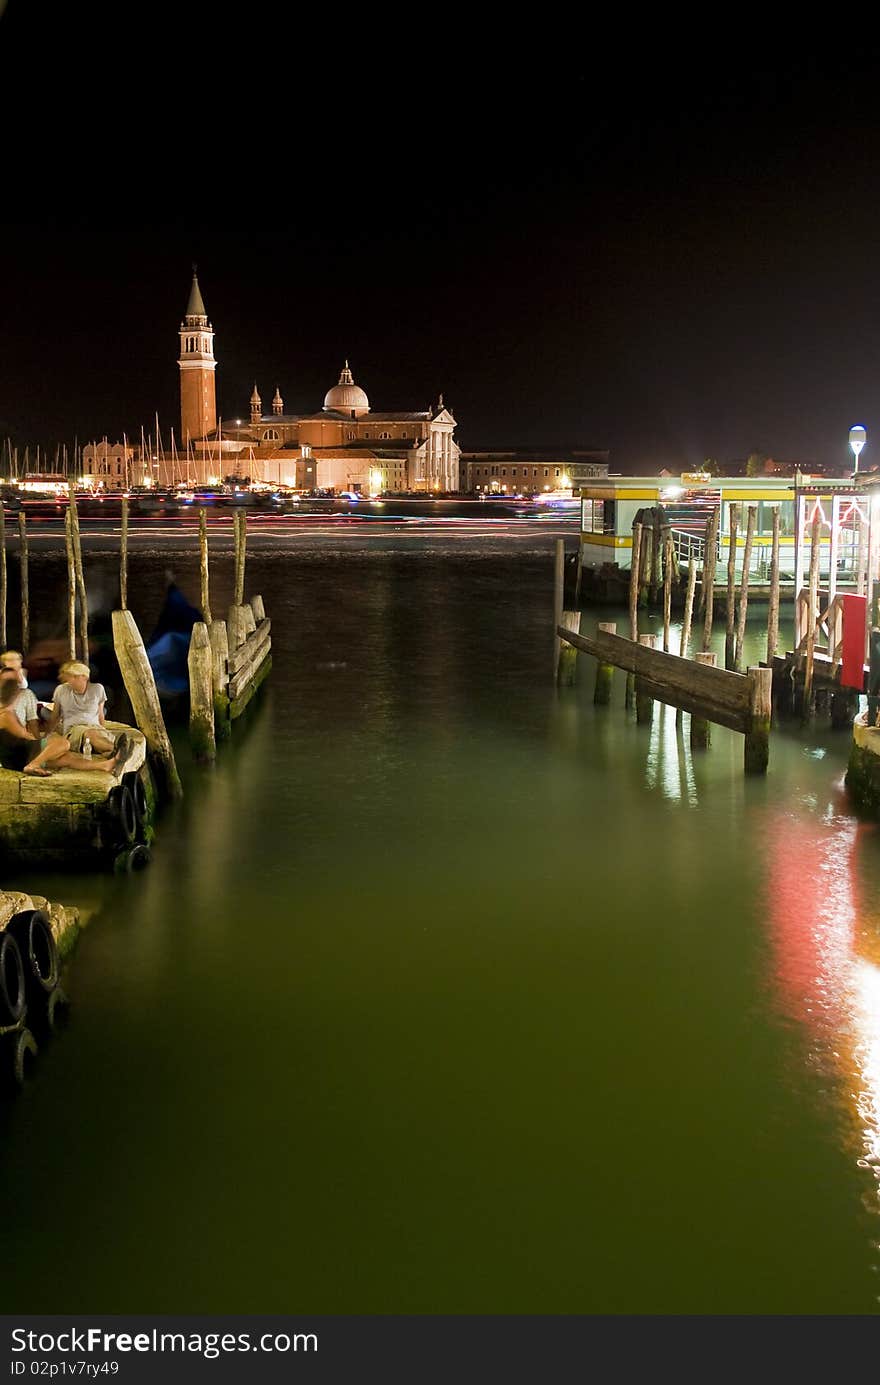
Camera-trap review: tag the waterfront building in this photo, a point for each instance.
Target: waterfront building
(112, 465)
(610, 506)
(344, 445)
(530, 471)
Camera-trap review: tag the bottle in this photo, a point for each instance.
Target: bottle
(87, 749)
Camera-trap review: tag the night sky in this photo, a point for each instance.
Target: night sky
(665, 253)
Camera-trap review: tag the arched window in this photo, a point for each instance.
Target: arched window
(270, 435)
(384, 435)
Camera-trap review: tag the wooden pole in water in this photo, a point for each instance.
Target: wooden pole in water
(141, 688)
(644, 701)
(701, 735)
(634, 571)
(25, 591)
(241, 555)
(80, 579)
(811, 617)
(566, 670)
(707, 583)
(655, 553)
(688, 607)
(203, 564)
(2, 575)
(236, 630)
(258, 609)
(773, 607)
(604, 672)
(744, 588)
(580, 569)
(220, 678)
(123, 557)
(558, 603)
(731, 587)
(668, 562)
(645, 561)
(757, 739)
(71, 585)
(201, 694)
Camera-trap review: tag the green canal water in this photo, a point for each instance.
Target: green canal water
(447, 992)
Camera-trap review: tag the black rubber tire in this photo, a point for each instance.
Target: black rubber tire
(12, 983)
(138, 858)
(17, 1052)
(121, 804)
(33, 933)
(48, 1014)
(135, 784)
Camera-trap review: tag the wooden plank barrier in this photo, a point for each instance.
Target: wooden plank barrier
(741, 702)
(248, 658)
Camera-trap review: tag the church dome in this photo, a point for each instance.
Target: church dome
(346, 397)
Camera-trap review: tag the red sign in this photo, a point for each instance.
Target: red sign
(852, 670)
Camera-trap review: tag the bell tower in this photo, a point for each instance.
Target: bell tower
(198, 405)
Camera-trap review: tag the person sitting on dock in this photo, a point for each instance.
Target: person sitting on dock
(79, 710)
(10, 658)
(23, 748)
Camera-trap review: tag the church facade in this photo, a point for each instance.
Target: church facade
(345, 445)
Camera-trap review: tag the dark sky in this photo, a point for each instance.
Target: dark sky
(667, 252)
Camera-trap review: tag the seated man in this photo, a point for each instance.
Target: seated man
(10, 658)
(79, 710)
(23, 748)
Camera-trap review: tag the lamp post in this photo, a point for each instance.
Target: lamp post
(857, 439)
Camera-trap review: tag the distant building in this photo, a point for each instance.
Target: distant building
(110, 464)
(526, 471)
(345, 445)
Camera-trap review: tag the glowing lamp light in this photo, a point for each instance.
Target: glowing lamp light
(857, 439)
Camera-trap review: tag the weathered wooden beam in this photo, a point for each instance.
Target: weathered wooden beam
(239, 681)
(141, 688)
(635, 568)
(246, 652)
(702, 683)
(707, 585)
(201, 694)
(258, 608)
(813, 600)
(668, 560)
(235, 628)
(604, 672)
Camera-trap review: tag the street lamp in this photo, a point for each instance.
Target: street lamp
(857, 439)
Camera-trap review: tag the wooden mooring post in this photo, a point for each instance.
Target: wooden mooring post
(240, 521)
(744, 588)
(558, 602)
(729, 639)
(604, 672)
(71, 585)
(80, 578)
(813, 599)
(203, 565)
(707, 583)
(668, 567)
(635, 568)
(773, 604)
(757, 737)
(645, 700)
(141, 688)
(3, 640)
(123, 557)
(701, 734)
(220, 679)
(200, 663)
(25, 590)
(688, 608)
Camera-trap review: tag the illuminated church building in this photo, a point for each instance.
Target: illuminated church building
(344, 446)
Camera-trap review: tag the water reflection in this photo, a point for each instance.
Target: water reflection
(826, 965)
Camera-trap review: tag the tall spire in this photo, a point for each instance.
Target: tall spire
(277, 402)
(195, 307)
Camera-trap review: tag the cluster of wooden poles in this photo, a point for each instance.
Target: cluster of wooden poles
(741, 702)
(76, 585)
